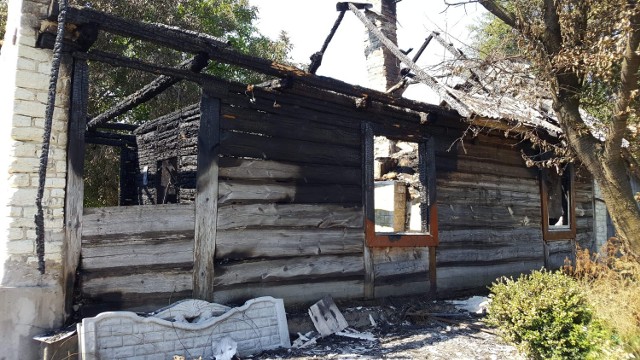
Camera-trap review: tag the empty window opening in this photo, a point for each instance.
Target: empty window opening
(398, 191)
(167, 184)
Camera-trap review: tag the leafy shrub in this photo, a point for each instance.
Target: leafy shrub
(546, 315)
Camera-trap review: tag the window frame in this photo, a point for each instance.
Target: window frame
(548, 232)
(429, 211)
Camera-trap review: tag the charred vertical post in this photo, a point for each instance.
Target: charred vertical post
(75, 185)
(206, 212)
(367, 151)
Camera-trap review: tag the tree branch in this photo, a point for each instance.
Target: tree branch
(498, 10)
(628, 87)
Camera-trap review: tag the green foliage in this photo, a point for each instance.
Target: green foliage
(546, 316)
(3, 19)
(101, 175)
(491, 37)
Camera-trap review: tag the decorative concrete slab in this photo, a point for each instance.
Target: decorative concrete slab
(191, 329)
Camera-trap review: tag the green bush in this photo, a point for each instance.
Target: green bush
(546, 316)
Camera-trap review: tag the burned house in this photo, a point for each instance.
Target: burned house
(273, 189)
(312, 190)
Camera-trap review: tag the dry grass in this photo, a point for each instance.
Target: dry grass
(611, 280)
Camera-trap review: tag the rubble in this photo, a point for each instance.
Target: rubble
(402, 329)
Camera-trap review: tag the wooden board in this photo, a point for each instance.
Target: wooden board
(251, 169)
(243, 192)
(161, 248)
(138, 282)
(288, 127)
(206, 213)
(130, 220)
(399, 261)
(467, 278)
(471, 216)
(323, 216)
(298, 269)
(268, 148)
(287, 242)
(292, 294)
(75, 186)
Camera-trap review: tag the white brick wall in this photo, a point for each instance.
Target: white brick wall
(31, 303)
(25, 72)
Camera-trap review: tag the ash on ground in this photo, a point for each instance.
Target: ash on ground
(407, 328)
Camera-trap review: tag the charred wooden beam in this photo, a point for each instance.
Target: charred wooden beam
(295, 75)
(113, 136)
(118, 127)
(316, 58)
(75, 186)
(153, 89)
(405, 72)
(189, 41)
(106, 142)
(343, 6)
(174, 37)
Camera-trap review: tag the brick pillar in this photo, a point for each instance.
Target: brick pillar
(31, 302)
(382, 66)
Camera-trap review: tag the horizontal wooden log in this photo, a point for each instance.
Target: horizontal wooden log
(289, 127)
(489, 238)
(453, 148)
(415, 285)
(137, 302)
(248, 169)
(269, 243)
(487, 197)
(234, 192)
(471, 216)
(478, 255)
(467, 278)
(291, 269)
(155, 250)
(323, 216)
(396, 263)
(137, 219)
(448, 164)
(268, 148)
(118, 126)
(487, 181)
(141, 282)
(305, 293)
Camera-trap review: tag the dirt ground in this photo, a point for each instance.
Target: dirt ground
(400, 329)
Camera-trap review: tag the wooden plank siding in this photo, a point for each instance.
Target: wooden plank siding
(290, 206)
(290, 217)
(489, 215)
(136, 257)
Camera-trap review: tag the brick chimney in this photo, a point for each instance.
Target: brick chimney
(382, 66)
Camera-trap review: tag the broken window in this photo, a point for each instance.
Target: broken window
(167, 183)
(400, 190)
(558, 204)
